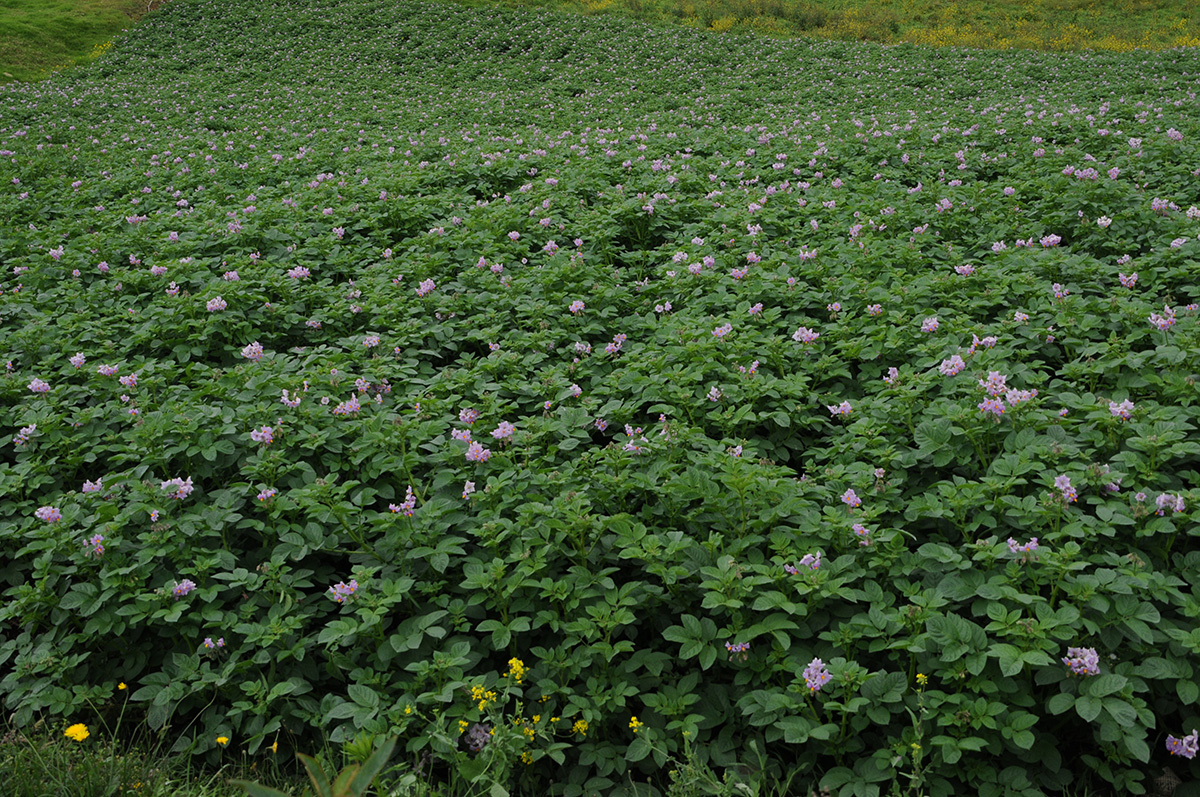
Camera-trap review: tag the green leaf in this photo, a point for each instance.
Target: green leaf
(1103, 685)
(1060, 703)
(373, 765)
(1189, 692)
(1119, 710)
(795, 729)
(637, 750)
(1088, 707)
(257, 789)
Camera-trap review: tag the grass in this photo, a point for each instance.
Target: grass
(1119, 25)
(40, 36)
(41, 762)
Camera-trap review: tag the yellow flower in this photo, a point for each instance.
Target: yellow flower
(122, 686)
(78, 732)
(516, 669)
(922, 678)
(222, 740)
(408, 709)
(580, 727)
(463, 725)
(274, 747)
(527, 757)
(635, 724)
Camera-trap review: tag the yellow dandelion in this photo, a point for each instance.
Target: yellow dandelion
(222, 740)
(78, 732)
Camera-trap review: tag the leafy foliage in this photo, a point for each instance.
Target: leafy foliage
(567, 397)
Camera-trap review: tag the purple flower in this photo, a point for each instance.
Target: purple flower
(208, 643)
(341, 592)
(182, 488)
(78, 360)
(504, 431)
(851, 499)
(299, 273)
(477, 453)
(952, 366)
(1082, 661)
(1122, 410)
(722, 330)
(426, 287)
(1063, 485)
(253, 352)
(38, 386)
(811, 561)
(839, 409)
(816, 675)
(992, 405)
(576, 307)
(49, 514)
(468, 488)
(805, 335)
(929, 324)
(994, 384)
(408, 507)
(1127, 280)
(1187, 747)
(1166, 501)
(267, 495)
(182, 588)
(95, 545)
(1165, 321)
(216, 304)
(263, 434)
(1028, 547)
(92, 487)
(737, 647)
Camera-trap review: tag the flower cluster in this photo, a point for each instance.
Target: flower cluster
(816, 675)
(1066, 491)
(1123, 410)
(342, 592)
(408, 507)
(805, 335)
(1082, 661)
(516, 670)
(1187, 747)
(182, 489)
(48, 514)
(253, 351)
(263, 434)
(839, 409)
(953, 366)
(182, 588)
(477, 453)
